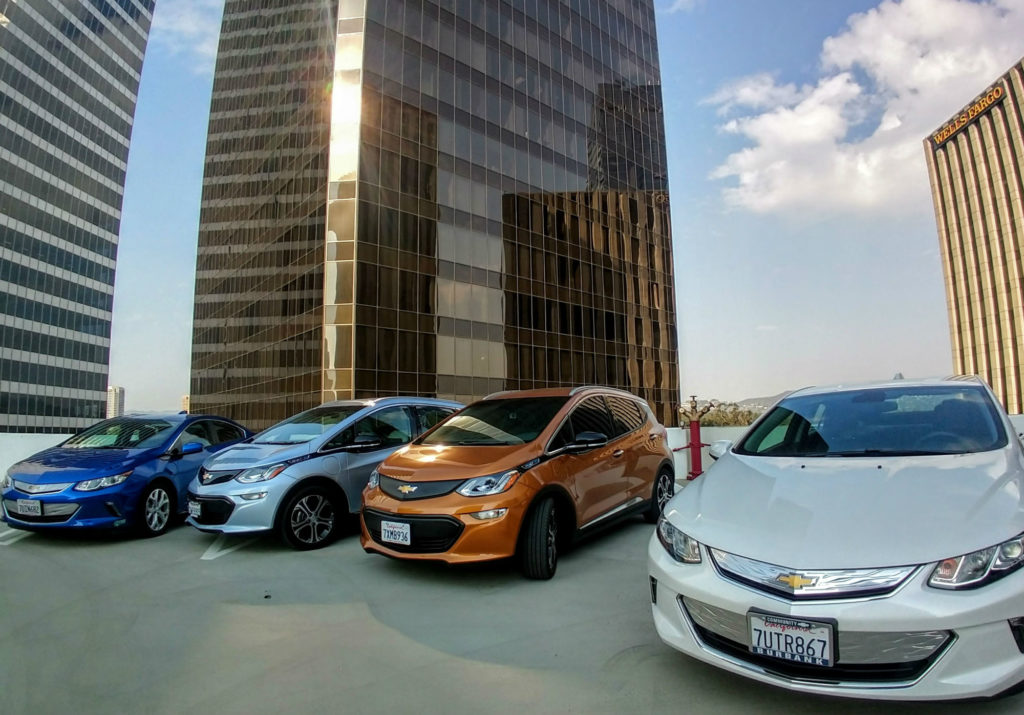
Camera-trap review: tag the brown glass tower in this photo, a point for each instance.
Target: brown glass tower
(436, 198)
(975, 162)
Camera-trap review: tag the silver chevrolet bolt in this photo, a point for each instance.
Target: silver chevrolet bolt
(304, 476)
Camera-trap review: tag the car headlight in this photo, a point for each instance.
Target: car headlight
(6, 482)
(489, 485)
(679, 546)
(91, 485)
(980, 567)
(260, 474)
(374, 480)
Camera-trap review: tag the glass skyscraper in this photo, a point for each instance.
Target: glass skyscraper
(69, 76)
(433, 197)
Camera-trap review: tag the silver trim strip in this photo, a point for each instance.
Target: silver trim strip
(621, 507)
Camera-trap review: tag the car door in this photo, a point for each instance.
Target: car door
(595, 475)
(639, 464)
(182, 468)
(390, 427)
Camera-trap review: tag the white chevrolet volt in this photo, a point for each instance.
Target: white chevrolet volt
(864, 541)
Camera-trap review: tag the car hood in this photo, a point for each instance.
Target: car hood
(59, 464)
(830, 513)
(241, 456)
(433, 463)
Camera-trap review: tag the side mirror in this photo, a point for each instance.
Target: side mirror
(586, 441)
(367, 441)
(719, 447)
(191, 448)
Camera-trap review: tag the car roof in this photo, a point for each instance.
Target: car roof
(394, 400)
(973, 380)
(559, 392)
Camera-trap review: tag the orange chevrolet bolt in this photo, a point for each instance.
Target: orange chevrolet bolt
(519, 474)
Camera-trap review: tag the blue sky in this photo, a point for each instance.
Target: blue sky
(805, 241)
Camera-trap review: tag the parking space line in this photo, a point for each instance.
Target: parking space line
(218, 547)
(12, 536)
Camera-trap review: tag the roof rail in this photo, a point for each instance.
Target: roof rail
(625, 393)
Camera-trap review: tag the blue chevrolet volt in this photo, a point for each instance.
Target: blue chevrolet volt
(127, 472)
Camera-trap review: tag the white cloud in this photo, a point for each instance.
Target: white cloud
(190, 28)
(681, 5)
(852, 141)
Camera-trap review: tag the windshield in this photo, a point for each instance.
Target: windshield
(123, 433)
(891, 421)
(307, 426)
(497, 422)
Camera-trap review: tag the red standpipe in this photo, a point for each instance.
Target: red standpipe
(695, 445)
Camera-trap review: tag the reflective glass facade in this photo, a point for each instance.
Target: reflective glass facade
(69, 77)
(976, 167)
(492, 211)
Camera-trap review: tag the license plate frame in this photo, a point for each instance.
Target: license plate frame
(806, 641)
(29, 507)
(396, 532)
(195, 509)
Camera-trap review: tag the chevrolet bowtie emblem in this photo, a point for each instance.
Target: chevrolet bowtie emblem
(407, 489)
(795, 581)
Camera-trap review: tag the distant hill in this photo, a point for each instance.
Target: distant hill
(761, 403)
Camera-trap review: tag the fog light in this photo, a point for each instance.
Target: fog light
(1017, 629)
(489, 514)
(254, 496)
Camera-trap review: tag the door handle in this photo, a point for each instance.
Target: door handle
(618, 453)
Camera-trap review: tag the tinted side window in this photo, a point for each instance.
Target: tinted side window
(224, 432)
(592, 416)
(562, 438)
(625, 414)
(392, 425)
(430, 416)
(195, 432)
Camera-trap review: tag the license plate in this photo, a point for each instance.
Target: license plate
(30, 507)
(195, 509)
(794, 639)
(395, 532)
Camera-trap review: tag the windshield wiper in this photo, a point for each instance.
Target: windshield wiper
(483, 443)
(883, 453)
(272, 442)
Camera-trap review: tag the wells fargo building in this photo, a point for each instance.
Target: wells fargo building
(975, 162)
(437, 198)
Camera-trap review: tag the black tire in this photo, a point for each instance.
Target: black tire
(309, 518)
(664, 488)
(156, 509)
(538, 550)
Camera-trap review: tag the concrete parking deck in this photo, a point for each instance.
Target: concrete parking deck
(190, 622)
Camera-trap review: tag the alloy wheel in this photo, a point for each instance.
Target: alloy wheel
(158, 510)
(312, 519)
(552, 540)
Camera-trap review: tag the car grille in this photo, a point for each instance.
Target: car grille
(29, 488)
(809, 584)
(883, 657)
(214, 511)
(52, 513)
(207, 477)
(416, 490)
(429, 534)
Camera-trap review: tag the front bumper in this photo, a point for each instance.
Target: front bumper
(234, 508)
(916, 643)
(109, 508)
(444, 528)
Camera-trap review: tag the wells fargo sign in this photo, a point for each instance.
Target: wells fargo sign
(993, 96)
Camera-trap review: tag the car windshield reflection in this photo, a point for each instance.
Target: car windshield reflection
(497, 422)
(306, 426)
(879, 422)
